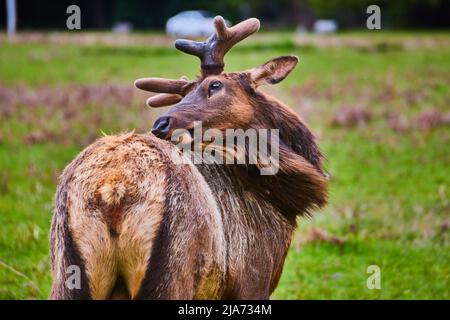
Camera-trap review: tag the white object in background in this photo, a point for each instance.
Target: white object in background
(122, 27)
(11, 16)
(325, 26)
(191, 24)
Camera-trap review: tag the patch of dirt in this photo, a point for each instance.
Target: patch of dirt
(372, 43)
(430, 118)
(38, 137)
(350, 117)
(64, 96)
(402, 108)
(317, 235)
(425, 120)
(364, 43)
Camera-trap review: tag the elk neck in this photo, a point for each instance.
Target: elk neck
(297, 188)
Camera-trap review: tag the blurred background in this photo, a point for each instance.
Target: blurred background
(378, 101)
(142, 14)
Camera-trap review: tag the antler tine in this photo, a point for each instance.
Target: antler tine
(162, 85)
(221, 28)
(212, 52)
(163, 100)
(171, 91)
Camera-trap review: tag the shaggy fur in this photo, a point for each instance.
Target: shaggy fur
(143, 226)
(125, 212)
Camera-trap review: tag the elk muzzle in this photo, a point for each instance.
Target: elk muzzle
(162, 127)
(165, 125)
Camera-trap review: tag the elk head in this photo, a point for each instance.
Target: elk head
(232, 101)
(219, 100)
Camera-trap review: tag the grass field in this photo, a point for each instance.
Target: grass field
(381, 113)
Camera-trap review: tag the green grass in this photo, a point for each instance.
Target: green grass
(389, 193)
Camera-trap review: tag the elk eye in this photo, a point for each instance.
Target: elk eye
(215, 85)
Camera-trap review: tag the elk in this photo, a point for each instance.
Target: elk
(140, 225)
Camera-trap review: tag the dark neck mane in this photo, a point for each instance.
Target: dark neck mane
(295, 136)
(300, 184)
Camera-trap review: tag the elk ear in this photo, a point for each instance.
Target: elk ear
(273, 71)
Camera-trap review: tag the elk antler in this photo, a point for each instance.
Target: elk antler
(211, 54)
(172, 91)
(212, 51)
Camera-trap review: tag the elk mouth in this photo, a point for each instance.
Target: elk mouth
(165, 126)
(161, 127)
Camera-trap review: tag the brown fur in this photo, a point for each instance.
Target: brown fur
(143, 226)
(223, 238)
(140, 165)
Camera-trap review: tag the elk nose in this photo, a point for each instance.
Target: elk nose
(161, 127)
